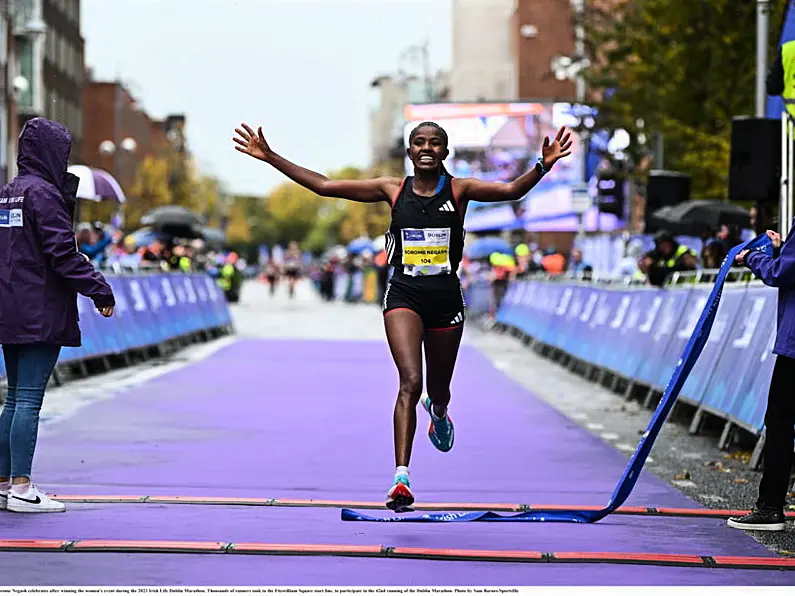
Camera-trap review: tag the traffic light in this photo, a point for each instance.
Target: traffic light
(610, 192)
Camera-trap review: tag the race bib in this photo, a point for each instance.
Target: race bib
(426, 251)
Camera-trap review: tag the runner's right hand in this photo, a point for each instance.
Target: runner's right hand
(251, 143)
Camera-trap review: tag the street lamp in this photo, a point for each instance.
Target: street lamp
(107, 148)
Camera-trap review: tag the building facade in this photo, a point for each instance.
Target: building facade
(484, 65)
(542, 33)
(117, 132)
(61, 64)
(47, 62)
(386, 117)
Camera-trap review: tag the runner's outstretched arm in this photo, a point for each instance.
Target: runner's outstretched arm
(472, 189)
(362, 191)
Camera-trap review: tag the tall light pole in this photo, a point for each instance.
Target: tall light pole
(762, 28)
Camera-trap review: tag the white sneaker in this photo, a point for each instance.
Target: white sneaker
(33, 500)
(3, 498)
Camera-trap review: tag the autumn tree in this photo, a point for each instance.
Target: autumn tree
(681, 68)
(152, 188)
(291, 212)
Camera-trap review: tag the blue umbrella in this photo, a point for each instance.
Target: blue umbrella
(360, 245)
(483, 247)
(146, 236)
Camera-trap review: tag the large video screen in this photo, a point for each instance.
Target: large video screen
(499, 142)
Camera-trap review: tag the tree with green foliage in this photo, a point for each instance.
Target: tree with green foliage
(682, 68)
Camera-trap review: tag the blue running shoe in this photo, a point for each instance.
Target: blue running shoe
(441, 432)
(400, 498)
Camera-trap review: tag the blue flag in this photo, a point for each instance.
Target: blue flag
(689, 357)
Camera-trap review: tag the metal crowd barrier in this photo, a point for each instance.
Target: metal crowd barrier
(631, 338)
(152, 310)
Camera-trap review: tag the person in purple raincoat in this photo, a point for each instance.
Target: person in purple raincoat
(41, 273)
(777, 271)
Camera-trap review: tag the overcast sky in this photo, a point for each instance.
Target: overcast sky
(299, 68)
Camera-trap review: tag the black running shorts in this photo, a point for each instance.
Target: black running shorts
(438, 299)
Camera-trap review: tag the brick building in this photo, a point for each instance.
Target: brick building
(112, 117)
(542, 30)
(119, 134)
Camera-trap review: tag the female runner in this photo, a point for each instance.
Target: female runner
(424, 303)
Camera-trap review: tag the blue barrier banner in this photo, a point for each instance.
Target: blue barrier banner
(513, 308)
(150, 309)
(703, 373)
(613, 350)
(681, 326)
(661, 334)
(635, 331)
(565, 304)
(749, 407)
(632, 471)
(748, 403)
(523, 308)
(748, 345)
(550, 300)
(598, 331)
(144, 318)
(124, 317)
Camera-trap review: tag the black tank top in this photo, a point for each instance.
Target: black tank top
(426, 236)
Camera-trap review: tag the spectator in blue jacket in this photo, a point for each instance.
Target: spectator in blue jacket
(779, 272)
(41, 273)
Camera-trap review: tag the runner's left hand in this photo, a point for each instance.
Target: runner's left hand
(740, 258)
(559, 148)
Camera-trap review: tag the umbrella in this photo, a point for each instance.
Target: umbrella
(96, 185)
(694, 217)
(171, 215)
(483, 247)
(145, 236)
(174, 220)
(213, 236)
(360, 245)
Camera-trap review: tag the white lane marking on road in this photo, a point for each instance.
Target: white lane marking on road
(594, 426)
(684, 483)
(610, 436)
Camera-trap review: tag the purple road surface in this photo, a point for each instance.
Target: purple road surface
(312, 419)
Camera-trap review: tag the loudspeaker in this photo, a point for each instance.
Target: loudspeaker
(755, 162)
(664, 188)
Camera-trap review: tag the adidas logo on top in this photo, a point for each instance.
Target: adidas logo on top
(448, 206)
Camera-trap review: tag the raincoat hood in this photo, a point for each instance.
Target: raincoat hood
(44, 149)
(41, 270)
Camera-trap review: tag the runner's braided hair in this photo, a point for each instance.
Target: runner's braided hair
(440, 131)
